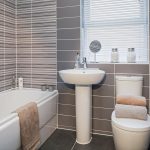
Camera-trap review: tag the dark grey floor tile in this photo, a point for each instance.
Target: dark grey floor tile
(60, 140)
(98, 142)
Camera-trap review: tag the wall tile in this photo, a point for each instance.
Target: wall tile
(66, 99)
(108, 79)
(128, 68)
(66, 88)
(68, 44)
(103, 125)
(66, 55)
(67, 121)
(36, 42)
(102, 113)
(101, 132)
(146, 92)
(7, 43)
(68, 12)
(66, 23)
(66, 110)
(64, 3)
(103, 90)
(106, 102)
(68, 33)
(65, 65)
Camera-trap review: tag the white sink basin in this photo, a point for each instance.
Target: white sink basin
(82, 76)
(83, 79)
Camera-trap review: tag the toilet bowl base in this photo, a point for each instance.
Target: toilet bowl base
(128, 140)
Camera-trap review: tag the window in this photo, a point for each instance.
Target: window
(118, 24)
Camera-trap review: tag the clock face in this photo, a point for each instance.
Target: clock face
(95, 46)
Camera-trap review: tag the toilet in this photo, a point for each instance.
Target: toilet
(130, 134)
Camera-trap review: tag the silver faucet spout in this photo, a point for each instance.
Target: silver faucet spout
(84, 63)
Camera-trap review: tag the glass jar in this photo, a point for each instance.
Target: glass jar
(131, 56)
(114, 55)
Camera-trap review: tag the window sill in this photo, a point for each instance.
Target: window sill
(102, 62)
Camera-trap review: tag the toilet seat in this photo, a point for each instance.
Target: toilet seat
(131, 124)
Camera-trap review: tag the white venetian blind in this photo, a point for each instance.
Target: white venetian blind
(118, 24)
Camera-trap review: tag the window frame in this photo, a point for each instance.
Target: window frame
(83, 34)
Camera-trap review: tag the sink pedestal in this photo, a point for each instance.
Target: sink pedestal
(83, 113)
(83, 79)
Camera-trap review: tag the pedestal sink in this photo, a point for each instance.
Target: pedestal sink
(83, 80)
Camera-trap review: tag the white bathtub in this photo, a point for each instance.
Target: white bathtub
(9, 121)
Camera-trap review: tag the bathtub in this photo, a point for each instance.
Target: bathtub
(10, 100)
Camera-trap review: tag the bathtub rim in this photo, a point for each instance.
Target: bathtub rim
(39, 101)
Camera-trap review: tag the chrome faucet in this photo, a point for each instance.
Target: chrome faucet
(84, 62)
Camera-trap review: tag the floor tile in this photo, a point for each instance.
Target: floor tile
(65, 140)
(60, 140)
(98, 142)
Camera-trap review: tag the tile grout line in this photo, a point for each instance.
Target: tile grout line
(73, 145)
(4, 46)
(57, 65)
(68, 17)
(68, 6)
(31, 44)
(16, 41)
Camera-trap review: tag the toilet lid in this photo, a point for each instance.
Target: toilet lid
(131, 124)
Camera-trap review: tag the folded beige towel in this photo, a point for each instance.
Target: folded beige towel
(131, 100)
(29, 126)
(130, 111)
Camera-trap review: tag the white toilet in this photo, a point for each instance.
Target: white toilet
(130, 134)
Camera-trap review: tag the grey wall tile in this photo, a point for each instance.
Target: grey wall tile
(66, 99)
(146, 92)
(68, 33)
(103, 125)
(68, 23)
(132, 68)
(101, 132)
(68, 12)
(66, 109)
(66, 88)
(106, 102)
(68, 44)
(64, 3)
(66, 127)
(103, 90)
(102, 113)
(67, 121)
(108, 79)
(66, 55)
(65, 65)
